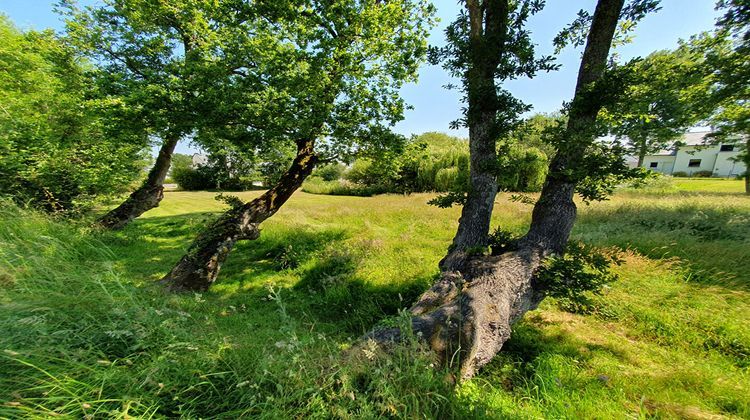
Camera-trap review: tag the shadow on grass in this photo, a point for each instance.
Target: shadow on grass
(711, 242)
(334, 293)
(148, 248)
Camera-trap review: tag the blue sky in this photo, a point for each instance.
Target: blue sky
(435, 107)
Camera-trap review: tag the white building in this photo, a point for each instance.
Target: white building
(695, 155)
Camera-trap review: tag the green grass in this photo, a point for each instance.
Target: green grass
(85, 332)
(715, 185)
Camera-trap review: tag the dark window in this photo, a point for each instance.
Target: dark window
(654, 164)
(726, 148)
(694, 163)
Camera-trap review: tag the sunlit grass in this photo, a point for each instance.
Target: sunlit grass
(87, 332)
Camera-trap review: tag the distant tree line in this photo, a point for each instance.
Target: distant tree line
(437, 162)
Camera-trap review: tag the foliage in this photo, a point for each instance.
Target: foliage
(330, 172)
(316, 185)
(574, 276)
(521, 168)
(703, 174)
(294, 72)
(438, 162)
(62, 144)
(180, 161)
(226, 169)
(657, 107)
(501, 241)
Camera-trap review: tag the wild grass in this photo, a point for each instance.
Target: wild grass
(84, 331)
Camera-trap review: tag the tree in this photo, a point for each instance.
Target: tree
(468, 313)
(658, 107)
(486, 45)
(146, 52)
(62, 145)
(322, 77)
(728, 69)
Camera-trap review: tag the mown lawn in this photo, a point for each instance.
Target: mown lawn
(716, 185)
(85, 331)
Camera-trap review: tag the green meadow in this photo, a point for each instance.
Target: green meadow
(85, 330)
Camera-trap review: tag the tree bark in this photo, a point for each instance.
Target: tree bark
(148, 195)
(747, 164)
(641, 154)
(200, 266)
(467, 315)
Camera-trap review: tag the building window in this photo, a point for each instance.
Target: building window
(694, 163)
(726, 148)
(653, 164)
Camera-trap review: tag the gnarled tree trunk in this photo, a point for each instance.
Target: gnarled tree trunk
(200, 266)
(467, 315)
(148, 195)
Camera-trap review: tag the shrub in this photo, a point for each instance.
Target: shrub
(191, 179)
(680, 174)
(521, 168)
(703, 174)
(330, 172)
(61, 146)
(573, 277)
(316, 185)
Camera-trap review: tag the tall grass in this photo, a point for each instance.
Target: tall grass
(79, 340)
(83, 331)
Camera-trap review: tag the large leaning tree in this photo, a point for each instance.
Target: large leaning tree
(146, 52)
(467, 314)
(322, 77)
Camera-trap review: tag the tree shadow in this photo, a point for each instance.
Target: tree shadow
(334, 293)
(516, 365)
(148, 248)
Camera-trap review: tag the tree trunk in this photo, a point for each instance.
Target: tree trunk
(200, 266)
(466, 317)
(148, 195)
(474, 223)
(747, 164)
(641, 154)
(487, 40)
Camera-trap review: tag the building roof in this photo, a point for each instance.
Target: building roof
(691, 138)
(697, 138)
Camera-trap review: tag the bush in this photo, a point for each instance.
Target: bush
(703, 174)
(61, 146)
(190, 179)
(330, 172)
(521, 168)
(317, 185)
(680, 174)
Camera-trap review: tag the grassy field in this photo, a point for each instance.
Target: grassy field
(84, 331)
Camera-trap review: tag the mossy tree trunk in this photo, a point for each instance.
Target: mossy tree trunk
(467, 315)
(148, 195)
(200, 266)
